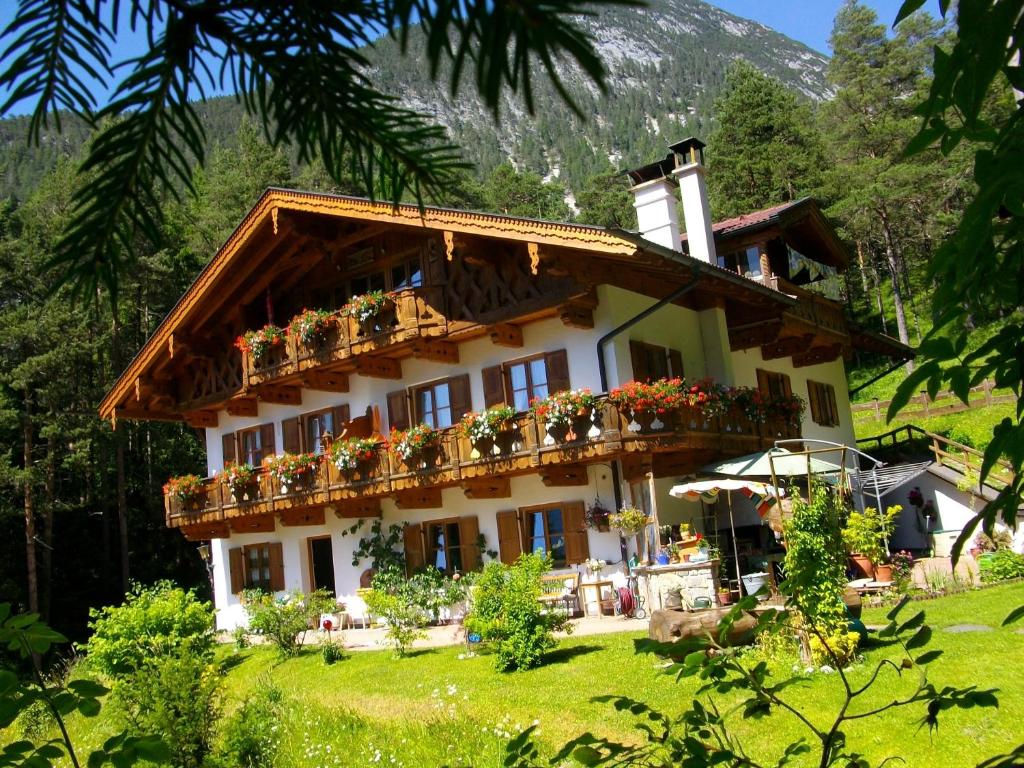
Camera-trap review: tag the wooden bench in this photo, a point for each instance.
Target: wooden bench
(561, 588)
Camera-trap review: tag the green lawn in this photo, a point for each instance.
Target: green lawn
(434, 708)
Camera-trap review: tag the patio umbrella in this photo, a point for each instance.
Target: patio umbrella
(762, 494)
(758, 464)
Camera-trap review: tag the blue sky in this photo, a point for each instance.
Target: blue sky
(809, 21)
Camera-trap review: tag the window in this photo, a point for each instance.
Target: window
(746, 261)
(652, 362)
(772, 384)
(257, 566)
(248, 446)
(822, 401)
(545, 532)
(449, 545)
(407, 274)
(438, 403)
(444, 546)
(305, 433)
(251, 446)
(317, 425)
(367, 283)
(434, 405)
(517, 382)
(556, 529)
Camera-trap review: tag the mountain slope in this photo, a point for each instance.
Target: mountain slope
(666, 63)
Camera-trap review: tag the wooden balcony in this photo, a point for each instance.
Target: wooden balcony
(681, 442)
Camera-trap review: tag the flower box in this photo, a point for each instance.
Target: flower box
(373, 312)
(418, 447)
(187, 490)
(260, 343)
(354, 454)
(243, 482)
(312, 326)
(566, 415)
(489, 432)
(294, 473)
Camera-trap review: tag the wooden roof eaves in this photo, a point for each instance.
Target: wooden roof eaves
(274, 200)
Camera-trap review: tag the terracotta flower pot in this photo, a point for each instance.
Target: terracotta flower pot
(883, 572)
(862, 566)
(725, 597)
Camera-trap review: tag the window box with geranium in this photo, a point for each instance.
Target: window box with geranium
(311, 326)
(185, 489)
(649, 404)
(565, 413)
(747, 403)
(417, 446)
(293, 472)
(490, 431)
(704, 401)
(354, 454)
(260, 343)
(242, 480)
(785, 410)
(370, 311)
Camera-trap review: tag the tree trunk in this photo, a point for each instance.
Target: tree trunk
(122, 481)
(30, 510)
(892, 261)
(863, 269)
(49, 512)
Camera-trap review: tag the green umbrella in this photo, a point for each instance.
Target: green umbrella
(787, 464)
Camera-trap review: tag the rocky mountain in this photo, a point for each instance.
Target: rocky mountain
(666, 63)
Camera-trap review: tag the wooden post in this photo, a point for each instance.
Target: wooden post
(654, 514)
(878, 412)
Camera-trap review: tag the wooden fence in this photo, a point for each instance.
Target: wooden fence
(943, 403)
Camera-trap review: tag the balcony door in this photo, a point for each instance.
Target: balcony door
(321, 564)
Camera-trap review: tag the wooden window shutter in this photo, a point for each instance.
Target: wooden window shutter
(762, 382)
(228, 449)
(510, 542)
(557, 364)
(814, 402)
(675, 363)
(577, 544)
(460, 397)
(291, 435)
(469, 533)
(415, 558)
(398, 410)
(787, 388)
(638, 355)
(276, 566)
(267, 440)
(236, 566)
(341, 416)
(830, 393)
(494, 386)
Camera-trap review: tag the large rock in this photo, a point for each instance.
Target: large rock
(667, 626)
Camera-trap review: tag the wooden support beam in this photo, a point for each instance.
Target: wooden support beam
(241, 406)
(753, 334)
(378, 367)
(356, 508)
(635, 466)
(144, 414)
(790, 345)
(506, 335)
(302, 516)
(437, 351)
(280, 395)
(681, 463)
(557, 476)
(487, 488)
(325, 381)
(205, 531)
(576, 316)
(201, 419)
(419, 498)
(817, 355)
(253, 523)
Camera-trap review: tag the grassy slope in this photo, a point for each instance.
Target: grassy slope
(433, 708)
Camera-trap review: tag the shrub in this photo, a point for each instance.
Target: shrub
(836, 649)
(866, 532)
(152, 621)
(285, 620)
(251, 737)
(1001, 565)
(332, 651)
(177, 696)
(507, 612)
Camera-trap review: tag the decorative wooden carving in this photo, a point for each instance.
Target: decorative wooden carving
(487, 488)
(438, 351)
(506, 335)
(302, 516)
(253, 524)
(280, 395)
(242, 406)
(566, 475)
(534, 250)
(201, 419)
(210, 379)
(273, 217)
(419, 498)
(325, 381)
(378, 367)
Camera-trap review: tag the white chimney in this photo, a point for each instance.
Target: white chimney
(689, 172)
(655, 202)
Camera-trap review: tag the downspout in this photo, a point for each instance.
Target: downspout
(602, 368)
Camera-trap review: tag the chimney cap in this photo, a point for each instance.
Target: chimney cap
(659, 170)
(690, 150)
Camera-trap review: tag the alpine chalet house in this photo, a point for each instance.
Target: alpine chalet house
(426, 316)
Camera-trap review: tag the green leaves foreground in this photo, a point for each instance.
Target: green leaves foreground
(25, 635)
(298, 67)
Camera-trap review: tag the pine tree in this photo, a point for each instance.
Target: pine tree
(525, 194)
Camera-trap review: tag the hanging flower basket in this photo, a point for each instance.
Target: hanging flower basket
(629, 521)
(293, 472)
(354, 454)
(417, 445)
(311, 326)
(596, 516)
(258, 344)
(187, 489)
(242, 480)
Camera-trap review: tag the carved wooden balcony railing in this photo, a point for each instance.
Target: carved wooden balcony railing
(532, 446)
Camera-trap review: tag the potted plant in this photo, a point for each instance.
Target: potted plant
(490, 428)
(663, 557)
(596, 516)
(353, 454)
(674, 554)
(241, 480)
(565, 411)
(184, 488)
(629, 521)
(258, 344)
(417, 445)
(595, 566)
(311, 326)
(293, 471)
(647, 402)
(367, 310)
(865, 535)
